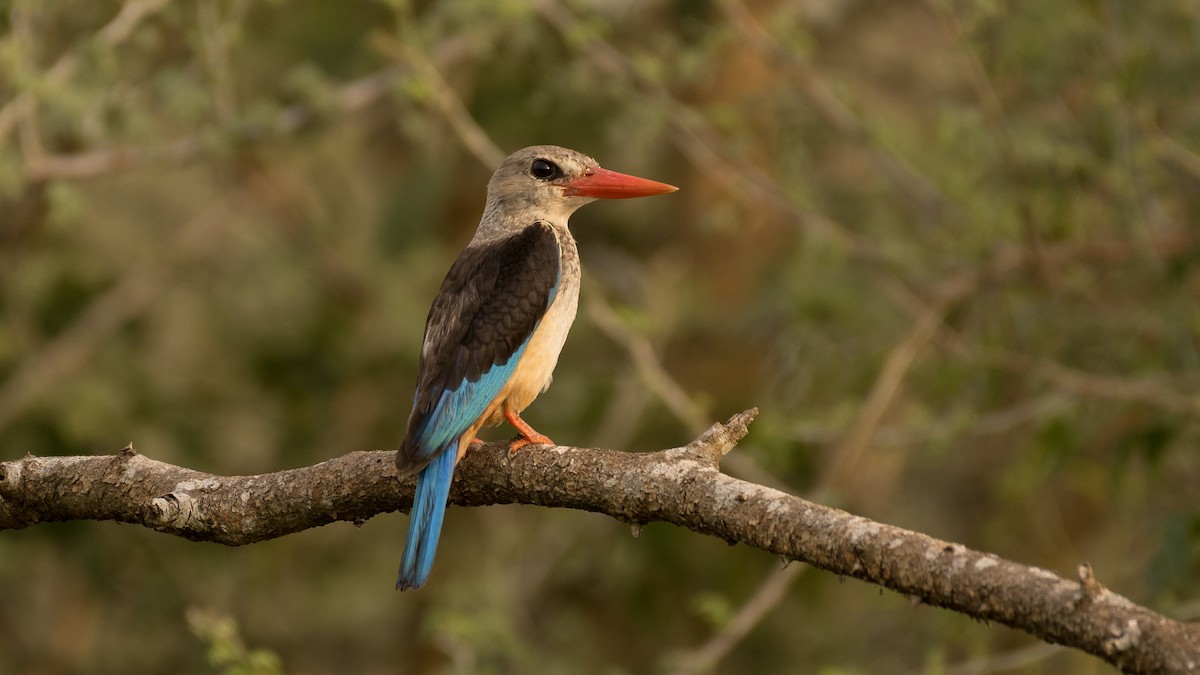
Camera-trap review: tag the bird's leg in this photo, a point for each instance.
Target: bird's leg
(529, 436)
(474, 444)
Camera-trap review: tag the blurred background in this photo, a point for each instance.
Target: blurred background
(948, 248)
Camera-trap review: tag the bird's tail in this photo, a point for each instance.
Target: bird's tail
(425, 520)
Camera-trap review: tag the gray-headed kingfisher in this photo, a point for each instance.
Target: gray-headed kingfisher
(497, 325)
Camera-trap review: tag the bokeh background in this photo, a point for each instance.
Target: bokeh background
(949, 248)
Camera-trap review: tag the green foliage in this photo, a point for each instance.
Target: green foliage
(222, 221)
(226, 652)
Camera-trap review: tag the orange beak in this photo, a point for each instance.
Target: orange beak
(605, 184)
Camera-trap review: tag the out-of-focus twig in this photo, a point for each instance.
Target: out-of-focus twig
(665, 387)
(451, 105)
(1012, 263)
(1005, 662)
(655, 376)
(216, 38)
(625, 407)
(408, 49)
(976, 72)
(831, 108)
(839, 471)
(116, 31)
(1148, 390)
(769, 594)
(1177, 153)
(347, 98)
(144, 282)
(1153, 391)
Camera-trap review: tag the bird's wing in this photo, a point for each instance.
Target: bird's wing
(487, 308)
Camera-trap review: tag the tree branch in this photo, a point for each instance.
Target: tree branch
(683, 486)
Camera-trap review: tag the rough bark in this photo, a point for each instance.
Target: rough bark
(683, 486)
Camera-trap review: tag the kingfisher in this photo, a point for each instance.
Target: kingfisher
(497, 325)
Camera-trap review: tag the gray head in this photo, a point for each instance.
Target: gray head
(546, 182)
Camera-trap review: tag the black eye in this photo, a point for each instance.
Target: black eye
(543, 169)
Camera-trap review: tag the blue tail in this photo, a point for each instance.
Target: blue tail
(425, 520)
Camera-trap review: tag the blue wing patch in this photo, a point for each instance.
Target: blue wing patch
(456, 410)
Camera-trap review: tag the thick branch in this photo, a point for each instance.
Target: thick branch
(682, 486)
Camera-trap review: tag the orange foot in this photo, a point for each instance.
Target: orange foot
(529, 436)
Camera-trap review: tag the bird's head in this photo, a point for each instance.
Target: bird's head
(548, 182)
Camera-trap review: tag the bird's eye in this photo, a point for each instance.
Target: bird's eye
(543, 169)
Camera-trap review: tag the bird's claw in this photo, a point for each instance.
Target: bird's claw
(528, 435)
(522, 441)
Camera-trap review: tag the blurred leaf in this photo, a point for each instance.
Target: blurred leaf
(227, 653)
(714, 608)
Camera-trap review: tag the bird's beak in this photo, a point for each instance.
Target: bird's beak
(605, 184)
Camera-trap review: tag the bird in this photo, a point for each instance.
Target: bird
(497, 324)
